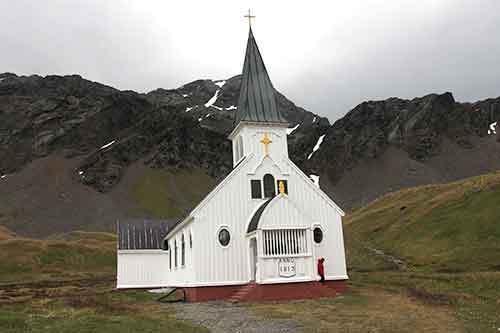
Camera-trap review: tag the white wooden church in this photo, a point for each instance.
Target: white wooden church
(259, 233)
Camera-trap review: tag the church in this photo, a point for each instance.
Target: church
(258, 235)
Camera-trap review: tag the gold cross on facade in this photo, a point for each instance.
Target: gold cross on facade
(266, 141)
(249, 16)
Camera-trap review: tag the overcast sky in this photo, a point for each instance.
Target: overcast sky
(326, 56)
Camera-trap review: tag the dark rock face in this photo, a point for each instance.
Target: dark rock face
(177, 128)
(422, 127)
(187, 128)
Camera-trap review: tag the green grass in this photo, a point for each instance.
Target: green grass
(167, 194)
(449, 238)
(109, 312)
(447, 228)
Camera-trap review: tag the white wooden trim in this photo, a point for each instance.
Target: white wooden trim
(209, 284)
(336, 277)
(139, 286)
(178, 227)
(287, 280)
(253, 171)
(231, 239)
(254, 123)
(280, 227)
(145, 251)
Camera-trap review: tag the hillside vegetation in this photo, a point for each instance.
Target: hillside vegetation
(75, 255)
(443, 228)
(431, 252)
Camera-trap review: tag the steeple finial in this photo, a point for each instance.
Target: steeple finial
(249, 16)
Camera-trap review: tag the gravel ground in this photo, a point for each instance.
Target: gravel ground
(227, 317)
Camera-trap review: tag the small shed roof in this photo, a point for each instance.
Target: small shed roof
(141, 234)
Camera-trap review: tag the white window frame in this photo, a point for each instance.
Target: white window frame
(230, 236)
(314, 226)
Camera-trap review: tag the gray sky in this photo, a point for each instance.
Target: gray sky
(327, 56)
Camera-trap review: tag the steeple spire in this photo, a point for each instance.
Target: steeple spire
(257, 102)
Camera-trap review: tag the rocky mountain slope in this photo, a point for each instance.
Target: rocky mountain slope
(76, 154)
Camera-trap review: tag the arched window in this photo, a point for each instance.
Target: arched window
(269, 187)
(183, 251)
(175, 253)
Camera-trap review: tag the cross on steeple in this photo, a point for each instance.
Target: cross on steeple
(249, 16)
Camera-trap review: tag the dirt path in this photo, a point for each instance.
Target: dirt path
(227, 317)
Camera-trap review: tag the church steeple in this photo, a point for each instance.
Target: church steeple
(257, 102)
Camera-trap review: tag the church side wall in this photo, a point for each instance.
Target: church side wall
(182, 275)
(328, 218)
(229, 208)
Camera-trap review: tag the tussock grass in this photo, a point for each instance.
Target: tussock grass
(85, 254)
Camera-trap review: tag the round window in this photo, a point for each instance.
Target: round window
(224, 237)
(318, 235)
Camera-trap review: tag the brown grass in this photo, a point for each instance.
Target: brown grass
(366, 309)
(6, 233)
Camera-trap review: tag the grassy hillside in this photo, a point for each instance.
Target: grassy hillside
(442, 228)
(66, 256)
(430, 252)
(167, 194)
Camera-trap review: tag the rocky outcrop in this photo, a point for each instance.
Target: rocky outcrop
(183, 128)
(178, 128)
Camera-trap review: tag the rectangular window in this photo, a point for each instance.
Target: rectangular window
(169, 258)
(175, 253)
(256, 189)
(285, 182)
(284, 242)
(183, 252)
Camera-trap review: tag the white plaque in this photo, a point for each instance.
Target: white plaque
(286, 267)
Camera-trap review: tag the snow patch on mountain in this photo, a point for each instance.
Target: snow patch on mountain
(220, 83)
(108, 144)
(493, 128)
(316, 146)
(290, 130)
(315, 179)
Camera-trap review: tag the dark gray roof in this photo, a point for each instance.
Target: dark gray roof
(254, 222)
(141, 234)
(257, 102)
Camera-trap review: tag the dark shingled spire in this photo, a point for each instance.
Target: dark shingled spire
(257, 102)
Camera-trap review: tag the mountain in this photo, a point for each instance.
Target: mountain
(76, 154)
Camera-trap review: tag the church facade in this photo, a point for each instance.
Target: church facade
(261, 231)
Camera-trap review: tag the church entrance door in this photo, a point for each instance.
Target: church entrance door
(253, 259)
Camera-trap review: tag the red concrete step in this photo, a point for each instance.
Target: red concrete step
(255, 292)
(242, 293)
